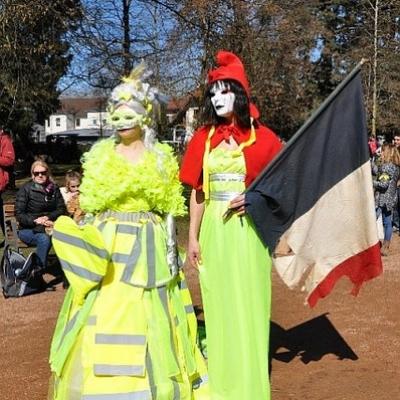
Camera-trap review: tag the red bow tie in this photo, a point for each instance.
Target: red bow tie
(230, 130)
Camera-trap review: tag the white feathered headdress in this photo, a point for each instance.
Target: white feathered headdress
(133, 102)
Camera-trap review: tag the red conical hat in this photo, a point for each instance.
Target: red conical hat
(231, 67)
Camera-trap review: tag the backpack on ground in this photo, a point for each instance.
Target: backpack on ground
(20, 275)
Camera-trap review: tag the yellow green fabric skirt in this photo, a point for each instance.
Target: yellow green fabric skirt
(127, 328)
(235, 278)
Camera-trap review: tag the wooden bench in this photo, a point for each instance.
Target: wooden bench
(11, 227)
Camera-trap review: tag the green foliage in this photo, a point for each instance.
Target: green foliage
(33, 57)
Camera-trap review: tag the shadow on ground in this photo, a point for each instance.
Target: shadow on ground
(310, 340)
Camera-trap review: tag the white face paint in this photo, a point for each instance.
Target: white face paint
(222, 99)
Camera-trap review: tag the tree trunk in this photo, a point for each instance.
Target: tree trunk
(375, 65)
(126, 45)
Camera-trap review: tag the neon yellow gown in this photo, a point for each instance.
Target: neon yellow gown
(127, 328)
(236, 289)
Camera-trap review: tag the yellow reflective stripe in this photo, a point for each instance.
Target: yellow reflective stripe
(135, 217)
(189, 309)
(75, 241)
(120, 258)
(227, 177)
(140, 395)
(206, 183)
(150, 252)
(102, 338)
(223, 196)
(150, 373)
(92, 320)
(68, 327)
(182, 284)
(80, 271)
(132, 258)
(162, 291)
(177, 393)
(128, 229)
(118, 370)
(101, 226)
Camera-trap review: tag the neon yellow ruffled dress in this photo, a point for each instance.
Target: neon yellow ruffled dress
(127, 328)
(235, 278)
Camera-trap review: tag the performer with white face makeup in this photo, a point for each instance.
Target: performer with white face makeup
(222, 99)
(224, 156)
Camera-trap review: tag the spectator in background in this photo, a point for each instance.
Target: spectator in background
(7, 158)
(39, 203)
(70, 193)
(373, 147)
(396, 213)
(380, 140)
(396, 140)
(385, 185)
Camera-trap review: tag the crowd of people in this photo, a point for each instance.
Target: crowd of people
(385, 159)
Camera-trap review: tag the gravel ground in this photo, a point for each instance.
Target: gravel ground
(346, 348)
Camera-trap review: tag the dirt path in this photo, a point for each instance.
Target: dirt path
(344, 349)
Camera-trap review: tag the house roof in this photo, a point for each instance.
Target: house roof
(178, 104)
(80, 106)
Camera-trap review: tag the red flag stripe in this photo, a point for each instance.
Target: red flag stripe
(359, 268)
(340, 227)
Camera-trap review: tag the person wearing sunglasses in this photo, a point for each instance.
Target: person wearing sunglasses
(38, 204)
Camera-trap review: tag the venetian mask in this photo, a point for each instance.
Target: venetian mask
(127, 117)
(222, 99)
(130, 103)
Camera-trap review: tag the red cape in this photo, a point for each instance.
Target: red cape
(256, 156)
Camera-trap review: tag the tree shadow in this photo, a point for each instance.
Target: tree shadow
(310, 341)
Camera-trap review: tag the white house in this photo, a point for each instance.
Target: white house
(89, 113)
(183, 113)
(77, 113)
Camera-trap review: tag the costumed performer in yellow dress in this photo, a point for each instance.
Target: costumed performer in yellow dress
(224, 156)
(127, 328)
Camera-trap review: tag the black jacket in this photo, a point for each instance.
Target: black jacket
(33, 202)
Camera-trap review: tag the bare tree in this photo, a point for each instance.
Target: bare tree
(295, 51)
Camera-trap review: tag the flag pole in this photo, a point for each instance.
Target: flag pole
(306, 124)
(313, 117)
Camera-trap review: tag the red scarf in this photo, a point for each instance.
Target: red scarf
(256, 156)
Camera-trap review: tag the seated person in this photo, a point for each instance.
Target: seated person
(70, 193)
(39, 203)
